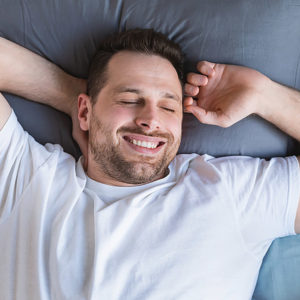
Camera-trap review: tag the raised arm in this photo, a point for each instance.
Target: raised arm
(224, 94)
(29, 75)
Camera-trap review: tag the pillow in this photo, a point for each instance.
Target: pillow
(279, 273)
(243, 32)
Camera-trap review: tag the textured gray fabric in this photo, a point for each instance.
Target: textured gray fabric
(261, 34)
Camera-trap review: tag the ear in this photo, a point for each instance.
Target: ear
(84, 111)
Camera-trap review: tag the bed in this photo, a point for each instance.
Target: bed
(261, 34)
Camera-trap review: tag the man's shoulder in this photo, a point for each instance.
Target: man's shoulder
(17, 145)
(181, 160)
(5, 111)
(205, 164)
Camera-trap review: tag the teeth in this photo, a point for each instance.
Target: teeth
(144, 144)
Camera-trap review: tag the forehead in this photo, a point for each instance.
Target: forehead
(132, 69)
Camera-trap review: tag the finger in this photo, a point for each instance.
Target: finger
(188, 101)
(190, 90)
(206, 68)
(189, 105)
(196, 79)
(195, 110)
(207, 117)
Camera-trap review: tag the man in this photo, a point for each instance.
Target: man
(132, 220)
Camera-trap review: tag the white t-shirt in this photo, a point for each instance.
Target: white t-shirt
(199, 233)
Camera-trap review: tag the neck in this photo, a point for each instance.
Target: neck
(95, 172)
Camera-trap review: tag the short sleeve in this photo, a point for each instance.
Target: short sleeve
(20, 157)
(265, 196)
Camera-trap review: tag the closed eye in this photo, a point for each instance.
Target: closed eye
(136, 102)
(168, 109)
(129, 102)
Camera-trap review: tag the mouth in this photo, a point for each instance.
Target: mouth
(144, 144)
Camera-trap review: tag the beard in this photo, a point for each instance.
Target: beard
(110, 159)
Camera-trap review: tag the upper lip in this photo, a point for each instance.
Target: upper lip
(145, 138)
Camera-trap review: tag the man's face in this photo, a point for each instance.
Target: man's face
(135, 125)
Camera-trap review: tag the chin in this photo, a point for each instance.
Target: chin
(141, 173)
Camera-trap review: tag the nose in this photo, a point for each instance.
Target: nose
(148, 118)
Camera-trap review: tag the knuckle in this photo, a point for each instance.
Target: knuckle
(200, 63)
(189, 76)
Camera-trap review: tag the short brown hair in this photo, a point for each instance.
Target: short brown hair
(146, 41)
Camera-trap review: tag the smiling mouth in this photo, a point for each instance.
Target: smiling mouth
(144, 143)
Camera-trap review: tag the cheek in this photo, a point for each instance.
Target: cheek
(115, 118)
(174, 126)
(111, 124)
(119, 115)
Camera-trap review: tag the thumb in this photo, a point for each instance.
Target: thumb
(205, 116)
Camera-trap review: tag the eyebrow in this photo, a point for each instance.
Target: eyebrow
(139, 92)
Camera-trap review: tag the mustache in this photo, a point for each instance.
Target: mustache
(138, 130)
